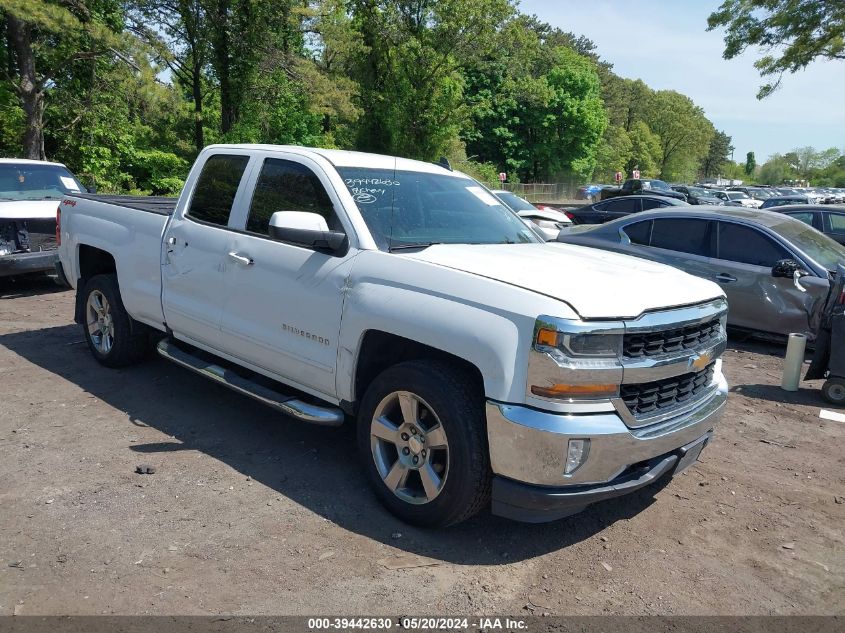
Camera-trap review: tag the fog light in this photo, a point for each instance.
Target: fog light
(576, 454)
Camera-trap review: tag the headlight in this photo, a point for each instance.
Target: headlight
(548, 224)
(579, 353)
(577, 345)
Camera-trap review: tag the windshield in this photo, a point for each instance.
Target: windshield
(737, 195)
(514, 201)
(406, 209)
(31, 181)
(698, 191)
(818, 246)
(655, 184)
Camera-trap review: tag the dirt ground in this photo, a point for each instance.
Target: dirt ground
(250, 513)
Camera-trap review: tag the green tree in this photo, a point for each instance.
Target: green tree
(43, 39)
(613, 153)
(793, 32)
(646, 151)
(750, 164)
(717, 155)
(684, 133)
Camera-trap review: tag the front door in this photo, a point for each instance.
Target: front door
(756, 300)
(196, 246)
(284, 303)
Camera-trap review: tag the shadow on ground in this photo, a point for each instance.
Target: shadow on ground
(28, 286)
(315, 467)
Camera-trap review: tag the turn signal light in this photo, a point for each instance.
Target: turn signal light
(547, 337)
(574, 391)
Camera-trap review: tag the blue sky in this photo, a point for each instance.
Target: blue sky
(664, 43)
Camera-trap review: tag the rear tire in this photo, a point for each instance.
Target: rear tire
(422, 436)
(114, 338)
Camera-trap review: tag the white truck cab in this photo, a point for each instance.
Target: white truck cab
(476, 360)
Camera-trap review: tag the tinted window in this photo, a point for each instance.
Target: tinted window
(653, 204)
(623, 205)
(837, 222)
(806, 218)
(639, 233)
(747, 245)
(682, 235)
(284, 185)
(216, 187)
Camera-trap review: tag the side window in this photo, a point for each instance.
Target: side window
(682, 235)
(652, 204)
(639, 233)
(837, 222)
(747, 245)
(623, 205)
(284, 185)
(807, 218)
(216, 187)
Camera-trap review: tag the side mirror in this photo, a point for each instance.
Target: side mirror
(305, 229)
(787, 268)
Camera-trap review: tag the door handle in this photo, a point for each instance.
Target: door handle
(243, 260)
(725, 278)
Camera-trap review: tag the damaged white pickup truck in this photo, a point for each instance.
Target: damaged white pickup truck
(476, 360)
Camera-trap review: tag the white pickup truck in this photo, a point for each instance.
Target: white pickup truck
(478, 361)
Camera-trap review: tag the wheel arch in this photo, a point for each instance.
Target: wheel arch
(91, 261)
(380, 350)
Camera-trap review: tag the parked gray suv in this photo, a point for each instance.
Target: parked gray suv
(774, 269)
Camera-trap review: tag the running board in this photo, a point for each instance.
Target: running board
(303, 411)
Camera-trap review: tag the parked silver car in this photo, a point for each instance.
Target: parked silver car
(774, 269)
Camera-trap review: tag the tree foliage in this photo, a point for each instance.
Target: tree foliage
(127, 92)
(792, 33)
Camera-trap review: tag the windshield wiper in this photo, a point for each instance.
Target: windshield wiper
(404, 247)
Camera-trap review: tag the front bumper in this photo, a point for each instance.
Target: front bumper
(528, 449)
(22, 263)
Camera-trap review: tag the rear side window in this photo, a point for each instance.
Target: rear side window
(837, 222)
(284, 185)
(639, 233)
(653, 204)
(747, 245)
(216, 187)
(807, 218)
(623, 205)
(682, 235)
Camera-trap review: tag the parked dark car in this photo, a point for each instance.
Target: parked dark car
(830, 220)
(752, 254)
(697, 195)
(606, 210)
(642, 186)
(779, 201)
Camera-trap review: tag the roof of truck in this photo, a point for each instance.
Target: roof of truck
(27, 161)
(344, 158)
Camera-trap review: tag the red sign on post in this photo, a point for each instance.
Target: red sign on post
(618, 176)
(636, 174)
(502, 176)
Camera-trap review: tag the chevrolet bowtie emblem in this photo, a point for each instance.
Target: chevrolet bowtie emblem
(700, 361)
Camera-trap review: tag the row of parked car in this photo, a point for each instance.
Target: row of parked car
(774, 265)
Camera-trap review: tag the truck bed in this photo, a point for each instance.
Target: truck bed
(161, 205)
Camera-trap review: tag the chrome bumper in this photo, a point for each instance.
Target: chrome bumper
(530, 446)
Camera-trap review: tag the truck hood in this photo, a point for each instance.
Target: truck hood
(595, 283)
(28, 209)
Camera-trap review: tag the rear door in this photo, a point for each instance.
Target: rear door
(196, 246)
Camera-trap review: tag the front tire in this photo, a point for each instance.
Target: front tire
(421, 434)
(833, 390)
(114, 338)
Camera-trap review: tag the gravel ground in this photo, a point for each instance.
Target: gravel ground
(251, 513)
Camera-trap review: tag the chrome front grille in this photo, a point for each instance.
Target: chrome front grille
(648, 399)
(646, 344)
